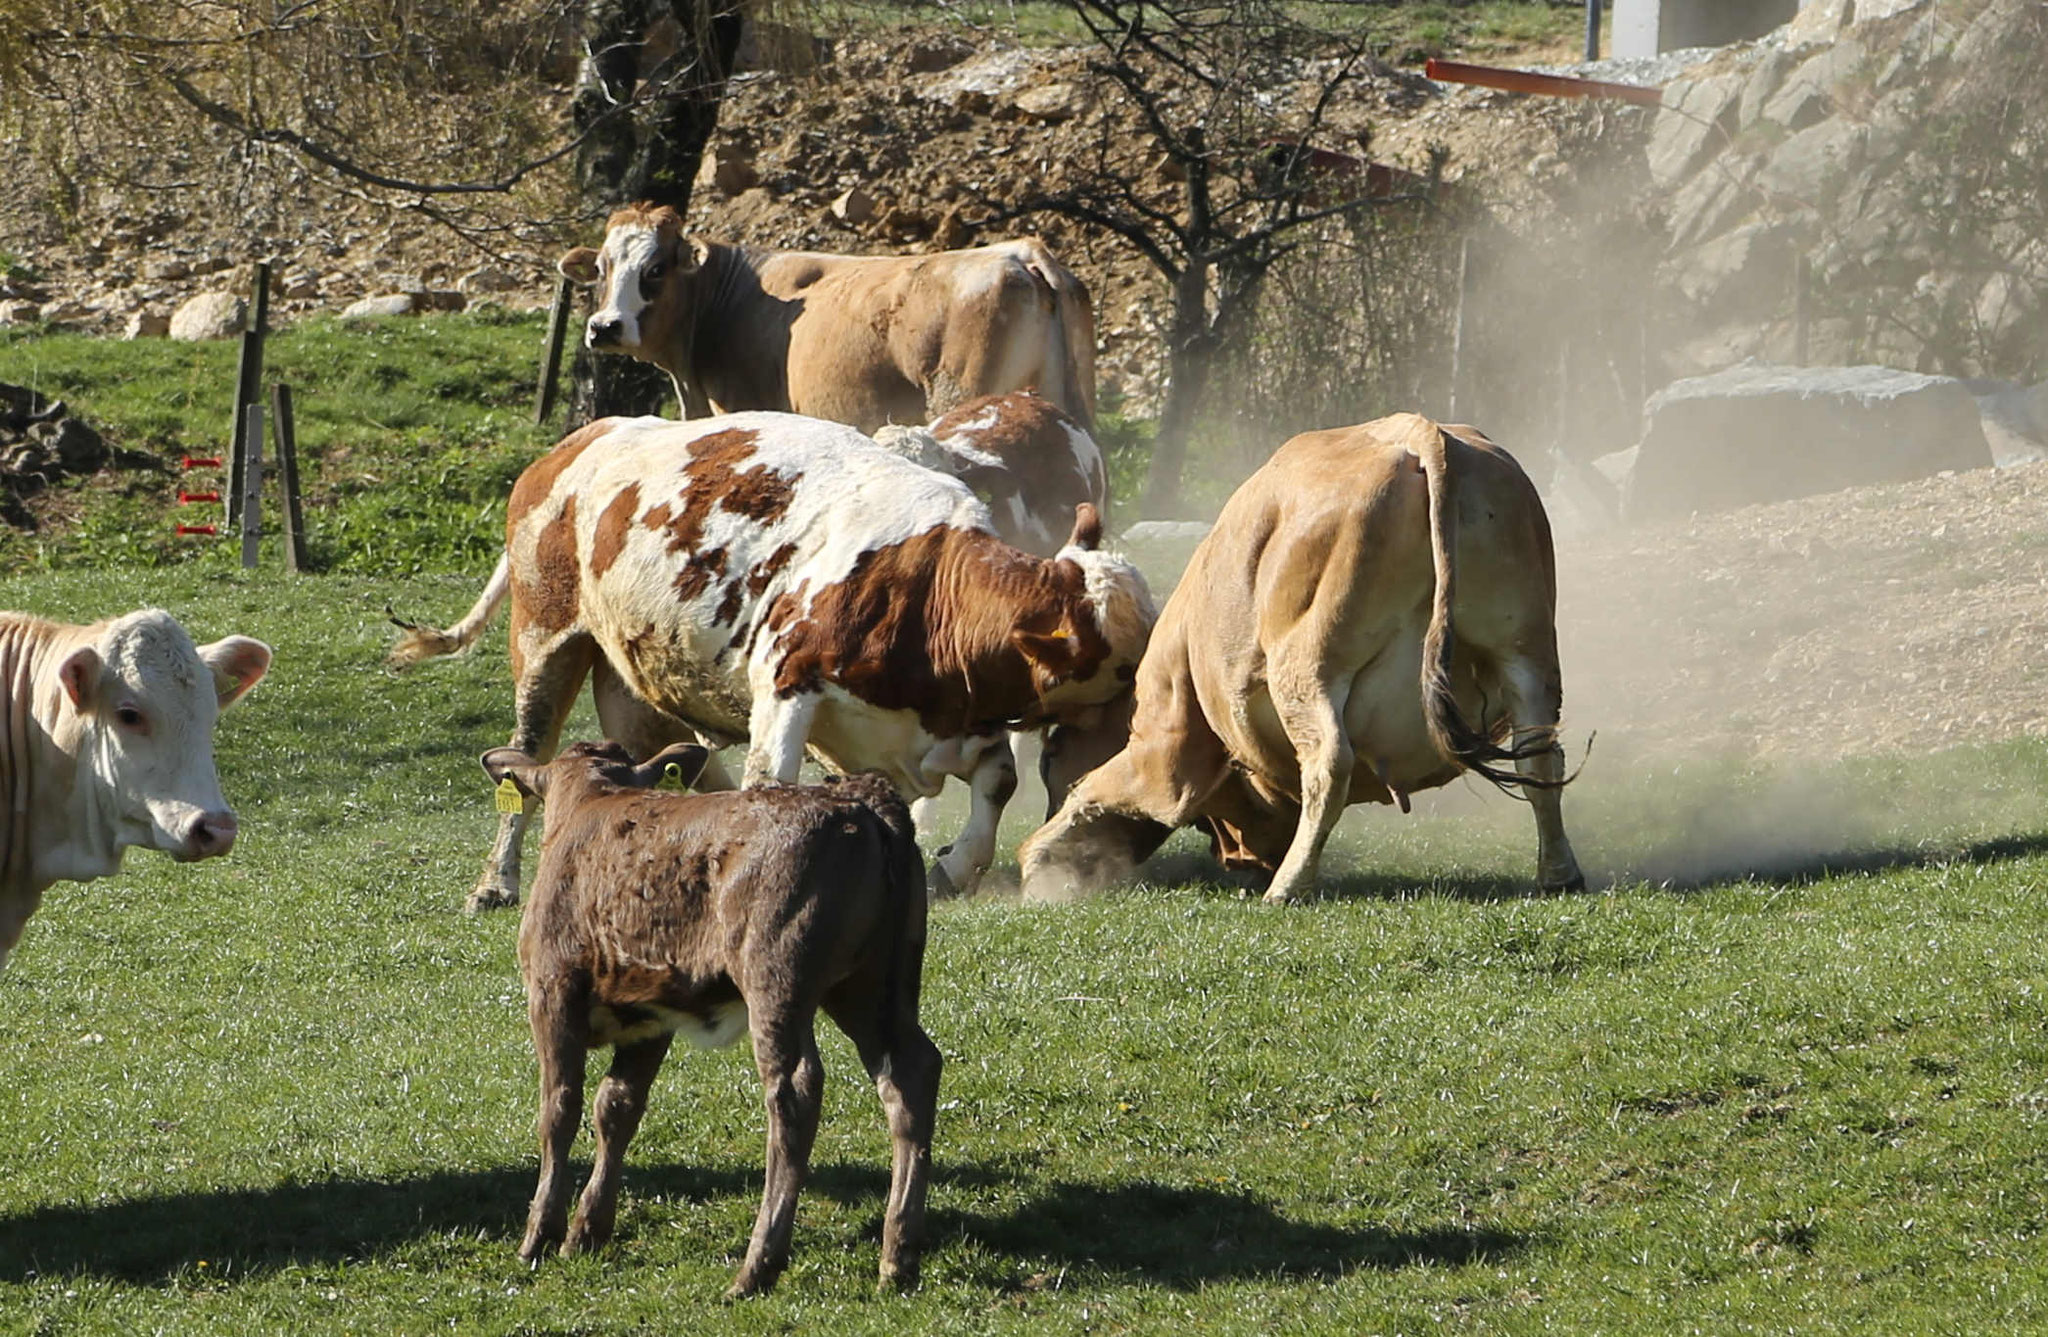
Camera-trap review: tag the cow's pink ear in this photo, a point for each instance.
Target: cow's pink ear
(80, 675)
(579, 265)
(509, 763)
(1087, 527)
(238, 664)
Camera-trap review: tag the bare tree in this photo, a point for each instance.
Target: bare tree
(401, 103)
(1234, 95)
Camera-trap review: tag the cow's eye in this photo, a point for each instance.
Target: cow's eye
(128, 717)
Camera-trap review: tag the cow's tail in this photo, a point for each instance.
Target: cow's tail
(1474, 749)
(420, 642)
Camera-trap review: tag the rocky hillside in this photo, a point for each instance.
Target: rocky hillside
(1883, 157)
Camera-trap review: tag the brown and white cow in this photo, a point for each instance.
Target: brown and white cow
(864, 340)
(785, 581)
(107, 744)
(1020, 453)
(1372, 615)
(710, 916)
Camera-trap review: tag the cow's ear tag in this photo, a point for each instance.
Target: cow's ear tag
(509, 797)
(672, 777)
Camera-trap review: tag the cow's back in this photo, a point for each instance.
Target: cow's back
(701, 881)
(695, 542)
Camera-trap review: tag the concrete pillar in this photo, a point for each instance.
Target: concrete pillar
(1647, 27)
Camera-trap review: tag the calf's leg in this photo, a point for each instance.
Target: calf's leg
(792, 1081)
(552, 1008)
(621, 1100)
(905, 1065)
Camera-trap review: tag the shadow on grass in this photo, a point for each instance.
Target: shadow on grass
(1190, 1237)
(1180, 1237)
(1682, 867)
(1192, 868)
(1681, 872)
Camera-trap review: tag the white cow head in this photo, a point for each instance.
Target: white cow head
(644, 274)
(136, 719)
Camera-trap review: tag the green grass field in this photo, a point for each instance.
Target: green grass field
(1781, 1070)
(292, 1091)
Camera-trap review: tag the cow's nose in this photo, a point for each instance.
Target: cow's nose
(211, 834)
(603, 330)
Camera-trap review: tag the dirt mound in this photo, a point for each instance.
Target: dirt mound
(1896, 619)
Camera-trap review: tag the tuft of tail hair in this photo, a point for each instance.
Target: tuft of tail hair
(1448, 728)
(421, 643)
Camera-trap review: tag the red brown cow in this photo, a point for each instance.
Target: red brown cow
(786, 582)
(709, 916)
(864, 340)
(1373, 614)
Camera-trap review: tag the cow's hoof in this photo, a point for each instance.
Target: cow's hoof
(1571, 886)
(489, 898)
(1278, 897)
(897, 1280)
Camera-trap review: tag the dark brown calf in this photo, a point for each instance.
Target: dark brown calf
(710, 914)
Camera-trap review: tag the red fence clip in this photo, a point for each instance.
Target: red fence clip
(199, 529)
(202, 461)
(187, 498)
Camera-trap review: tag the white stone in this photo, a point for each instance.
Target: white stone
(210, 315)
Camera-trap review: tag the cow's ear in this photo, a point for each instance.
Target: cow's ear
(1050, 654)
(509, 763)
(238, 663)
(579, 265)
(80, 675)
(692, 254)
(1087, 533)
(688, 759)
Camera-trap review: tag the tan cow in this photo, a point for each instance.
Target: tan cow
(785, 582)
(863, 340)
(107, 743)
(1372, 615)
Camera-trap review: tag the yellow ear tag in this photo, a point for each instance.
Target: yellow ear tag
(672, 777)
(509, 797)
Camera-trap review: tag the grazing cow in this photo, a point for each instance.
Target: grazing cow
(784, 581)
(1372, 615)
(864, 340)
(1020, 453)
(108, 743)
(709, 915)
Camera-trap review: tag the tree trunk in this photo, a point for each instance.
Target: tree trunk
(1190, 354)
(650, 153)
